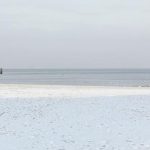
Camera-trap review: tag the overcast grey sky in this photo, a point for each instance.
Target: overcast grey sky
(75, 33)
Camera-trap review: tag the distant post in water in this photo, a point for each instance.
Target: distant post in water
(1, 71)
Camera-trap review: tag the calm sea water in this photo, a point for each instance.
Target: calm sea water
(102, 77)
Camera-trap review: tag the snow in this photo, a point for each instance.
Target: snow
(62, 121)
(60, 91)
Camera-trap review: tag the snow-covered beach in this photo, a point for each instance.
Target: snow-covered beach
(45, 117)
(62, 91)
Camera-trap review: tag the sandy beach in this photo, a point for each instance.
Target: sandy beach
(44, 117)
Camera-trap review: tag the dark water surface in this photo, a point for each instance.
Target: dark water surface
(101, 77)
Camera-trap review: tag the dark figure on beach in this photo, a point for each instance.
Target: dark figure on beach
(1, 71)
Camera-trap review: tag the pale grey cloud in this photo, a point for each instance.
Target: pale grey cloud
(74, 34)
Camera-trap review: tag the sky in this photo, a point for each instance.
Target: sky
(75, 34)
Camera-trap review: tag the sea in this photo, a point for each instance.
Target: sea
(90, 77)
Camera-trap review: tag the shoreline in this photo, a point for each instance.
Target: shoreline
(69, 91)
